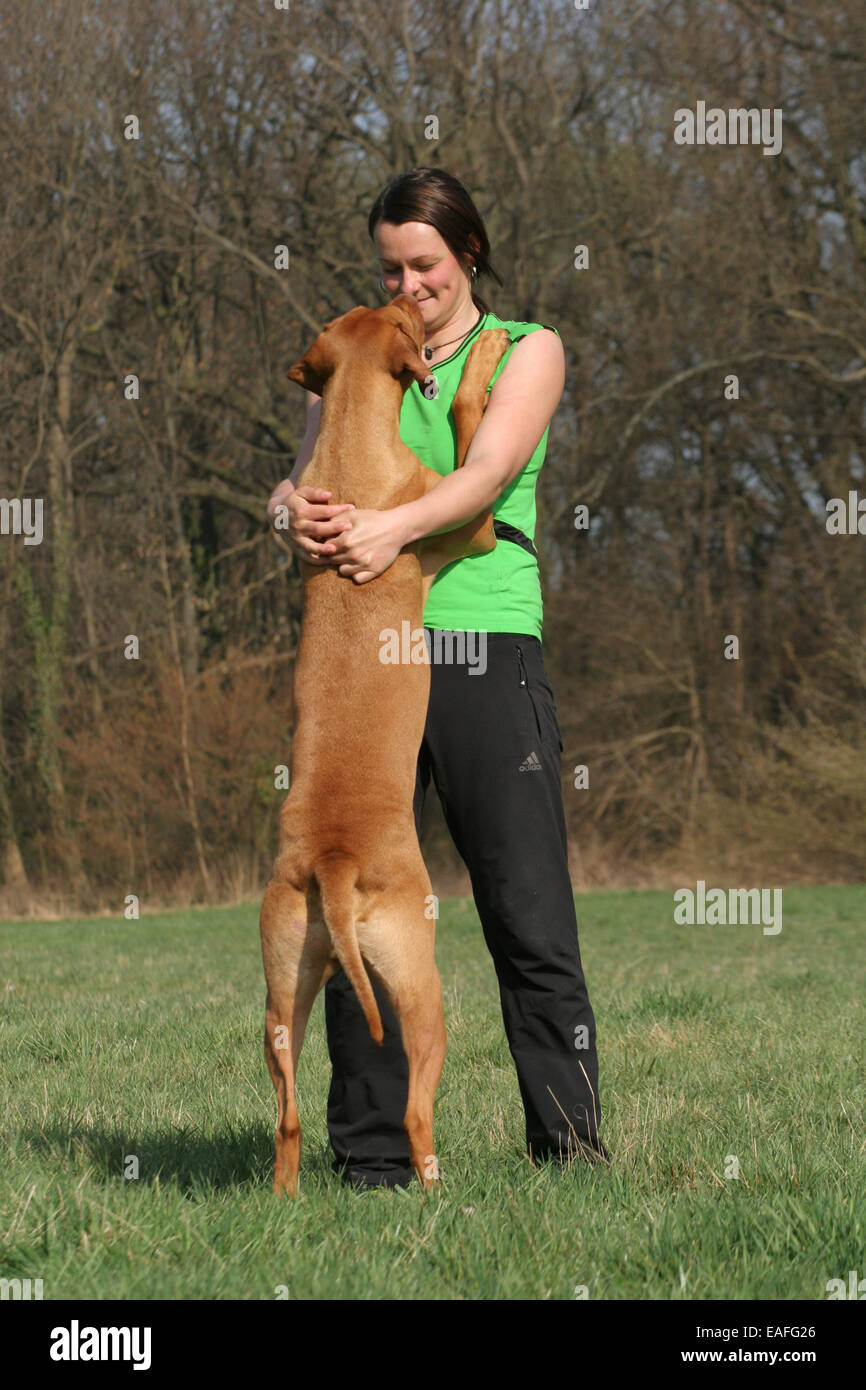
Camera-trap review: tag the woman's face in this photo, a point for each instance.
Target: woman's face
(415, 260)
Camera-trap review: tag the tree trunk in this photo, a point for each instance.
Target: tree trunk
(47, 626)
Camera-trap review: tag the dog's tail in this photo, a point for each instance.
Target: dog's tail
(336, 874)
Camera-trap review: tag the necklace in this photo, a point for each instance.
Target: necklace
(429, 351)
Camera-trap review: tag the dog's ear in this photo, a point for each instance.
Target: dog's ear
(406, 358)
(307, 373)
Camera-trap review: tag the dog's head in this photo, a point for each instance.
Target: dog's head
(390, 338)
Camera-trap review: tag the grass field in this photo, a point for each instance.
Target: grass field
(145, 1038)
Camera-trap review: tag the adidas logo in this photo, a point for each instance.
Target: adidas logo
(531, 764)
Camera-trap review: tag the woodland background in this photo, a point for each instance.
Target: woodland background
(155, 256)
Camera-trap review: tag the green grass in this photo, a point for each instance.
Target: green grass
(145, 1038)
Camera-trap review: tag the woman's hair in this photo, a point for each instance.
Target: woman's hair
(437, 198)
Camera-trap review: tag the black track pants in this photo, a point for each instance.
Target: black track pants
(492, 745)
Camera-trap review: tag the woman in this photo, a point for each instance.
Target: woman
(491, 744)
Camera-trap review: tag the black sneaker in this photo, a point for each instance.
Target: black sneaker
(586, 1151)
(376, 1177)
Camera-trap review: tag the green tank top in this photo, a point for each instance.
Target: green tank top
(499, 592)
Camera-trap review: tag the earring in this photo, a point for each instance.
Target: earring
(474, 271)
(382, 285)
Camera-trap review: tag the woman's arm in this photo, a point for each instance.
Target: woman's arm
(520, 408)
(312, 524)
(284, 489)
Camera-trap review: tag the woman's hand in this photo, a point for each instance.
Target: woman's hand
(370, 543)
(313, 522)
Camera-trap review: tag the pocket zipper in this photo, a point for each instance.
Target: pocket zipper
(523, 681)
(521, 666)
(522, 669)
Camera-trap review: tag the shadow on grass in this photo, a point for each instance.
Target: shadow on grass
(227, 1158)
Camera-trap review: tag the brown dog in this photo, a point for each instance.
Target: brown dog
(349, 887)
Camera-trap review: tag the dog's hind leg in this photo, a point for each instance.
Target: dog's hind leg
(418, 1005)
(398, 946)
(298, 961)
